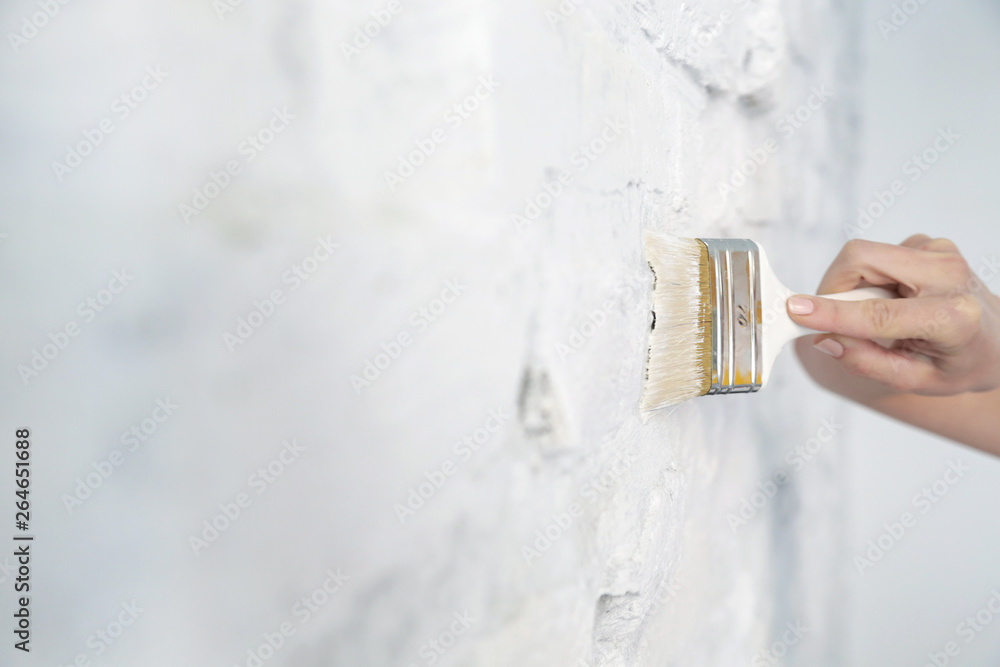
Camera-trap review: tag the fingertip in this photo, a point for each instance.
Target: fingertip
(829, 346)
(801, 305)
(867, 359)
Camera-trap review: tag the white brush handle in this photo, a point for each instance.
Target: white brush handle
(778, 327)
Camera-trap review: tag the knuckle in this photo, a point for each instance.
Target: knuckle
(854, 248)
(915, 239)
(879, 314)
(941, 245)
(956, 270)
(969, 310)
(962, 317)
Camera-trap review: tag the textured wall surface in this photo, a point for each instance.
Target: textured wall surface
(471, 482)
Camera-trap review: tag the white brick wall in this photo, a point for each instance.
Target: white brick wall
(638, 111)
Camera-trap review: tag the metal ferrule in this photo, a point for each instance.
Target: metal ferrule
(734, 276)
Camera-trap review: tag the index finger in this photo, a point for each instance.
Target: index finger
(946, 322)
(918, 271)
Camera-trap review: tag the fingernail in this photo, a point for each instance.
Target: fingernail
(831, 347)
(799, 305)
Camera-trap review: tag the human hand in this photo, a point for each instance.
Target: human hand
(945, 327)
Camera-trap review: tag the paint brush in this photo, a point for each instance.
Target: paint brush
(719, 318)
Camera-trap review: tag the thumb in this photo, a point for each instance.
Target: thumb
(900, 370)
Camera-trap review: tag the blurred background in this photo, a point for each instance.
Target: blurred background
(935, 72)
(329, 323)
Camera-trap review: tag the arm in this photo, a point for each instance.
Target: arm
(942, 372)
(969, 418)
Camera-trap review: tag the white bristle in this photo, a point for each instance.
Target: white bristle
(679, 365)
